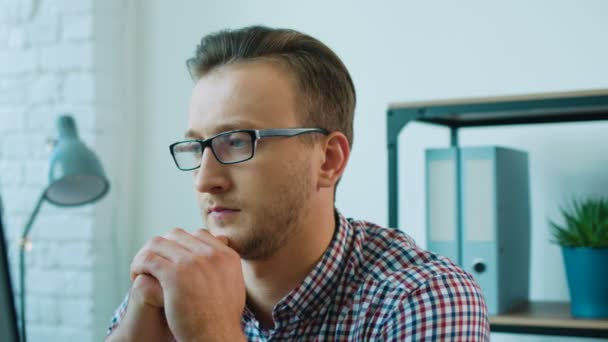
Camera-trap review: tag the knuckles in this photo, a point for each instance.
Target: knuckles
(176, 231)
(148, 257)
(155, 241)
(193, 262)
(202, 232)
(144, 259)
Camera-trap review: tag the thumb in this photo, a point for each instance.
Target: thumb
(224, 240)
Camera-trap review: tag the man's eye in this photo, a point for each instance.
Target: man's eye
(237, 142)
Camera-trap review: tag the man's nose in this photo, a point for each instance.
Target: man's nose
(211, 176)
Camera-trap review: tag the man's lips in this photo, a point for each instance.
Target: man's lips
(221, 213)
(218, 209)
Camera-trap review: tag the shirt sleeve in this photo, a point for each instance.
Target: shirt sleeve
(448, 307)
(118, 315)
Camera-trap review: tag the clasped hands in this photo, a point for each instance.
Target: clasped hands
(196, 278)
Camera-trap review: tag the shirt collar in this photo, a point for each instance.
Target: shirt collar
(316, 290)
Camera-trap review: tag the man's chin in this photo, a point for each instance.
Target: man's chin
(228, 233)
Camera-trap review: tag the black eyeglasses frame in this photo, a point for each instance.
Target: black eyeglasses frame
(255, 134)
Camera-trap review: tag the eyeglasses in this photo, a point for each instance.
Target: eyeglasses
(229, 147)
(190, 67)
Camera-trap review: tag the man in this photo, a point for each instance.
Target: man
(269, 135)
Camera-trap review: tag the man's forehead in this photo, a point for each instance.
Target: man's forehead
(260, 72)
(252, 95)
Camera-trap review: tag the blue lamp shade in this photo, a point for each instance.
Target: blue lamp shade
(76, 176)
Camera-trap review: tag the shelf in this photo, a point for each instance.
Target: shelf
(540, 318)
(588, 105)
(507, 110)
(547, 318)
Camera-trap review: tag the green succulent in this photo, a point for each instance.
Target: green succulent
(586, 224)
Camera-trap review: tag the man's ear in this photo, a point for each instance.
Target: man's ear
(336, 151)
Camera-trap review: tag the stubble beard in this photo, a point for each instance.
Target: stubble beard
(279, 221)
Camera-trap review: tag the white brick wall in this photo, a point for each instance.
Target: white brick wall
(43, 29)
(67, 56)
(55, 57)
(79, 87)
(17, 61)
(77, 27)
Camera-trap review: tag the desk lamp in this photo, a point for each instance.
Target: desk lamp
(76, 177)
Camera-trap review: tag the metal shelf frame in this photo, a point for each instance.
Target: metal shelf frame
(577, 106)
(507, 110)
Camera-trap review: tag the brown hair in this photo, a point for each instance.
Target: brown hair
(326, 91)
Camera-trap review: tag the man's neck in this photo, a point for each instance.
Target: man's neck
(268, 281)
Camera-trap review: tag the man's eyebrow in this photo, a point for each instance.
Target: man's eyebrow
(191, 134)
(231, 126)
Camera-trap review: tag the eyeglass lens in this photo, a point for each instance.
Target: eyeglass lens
(228, 148)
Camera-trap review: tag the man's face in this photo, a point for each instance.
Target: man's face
(257, 204)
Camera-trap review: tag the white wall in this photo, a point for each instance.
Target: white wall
(60, 56)
(396, 51)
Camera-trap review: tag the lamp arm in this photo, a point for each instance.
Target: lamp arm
(23, 243)
(33, 215)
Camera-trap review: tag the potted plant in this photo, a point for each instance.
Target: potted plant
(584, 241)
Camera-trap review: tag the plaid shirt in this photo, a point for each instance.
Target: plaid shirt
(373, 284)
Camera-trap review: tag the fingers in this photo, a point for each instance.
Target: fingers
(146, 289)
(224, 240)
(189, 242)
(149, 262)
(176, 246)
(192, 241)
(219, 242)
(167, 248)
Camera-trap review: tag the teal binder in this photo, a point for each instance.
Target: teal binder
(493, 219)
(443, 236)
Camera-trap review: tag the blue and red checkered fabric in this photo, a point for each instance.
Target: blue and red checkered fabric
(375, 284)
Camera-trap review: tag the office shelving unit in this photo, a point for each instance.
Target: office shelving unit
(544, 318)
